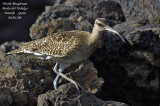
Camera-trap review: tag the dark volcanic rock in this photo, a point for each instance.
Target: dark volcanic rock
(64, 16)
(141, 10)
(67, 95)
(86, 75)
(46, 26)
(144, 40)
(5, 97)
(96, 8)
(8, 46)
(130, 71)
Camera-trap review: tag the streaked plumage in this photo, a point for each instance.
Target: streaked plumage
(70, 46)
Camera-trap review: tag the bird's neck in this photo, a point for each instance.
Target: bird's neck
(96, 36)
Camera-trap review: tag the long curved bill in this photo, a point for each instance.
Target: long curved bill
(113, 31)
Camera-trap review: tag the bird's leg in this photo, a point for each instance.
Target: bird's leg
(57, 77)
(56, 68)
(61, 68)
(55, 82)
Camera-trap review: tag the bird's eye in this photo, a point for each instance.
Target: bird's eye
(100, 24)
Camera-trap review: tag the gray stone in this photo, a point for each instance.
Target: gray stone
(5, 97)
(67, 95)
(141, 10)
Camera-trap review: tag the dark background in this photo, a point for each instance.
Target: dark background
(19, 29)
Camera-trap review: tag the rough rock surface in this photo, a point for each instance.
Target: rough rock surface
(77, 15)
(143, 39)
(141, 10)
(67, 95)
(130, 71)
(41, 29)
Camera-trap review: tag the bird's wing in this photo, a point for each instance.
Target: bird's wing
(57, 45)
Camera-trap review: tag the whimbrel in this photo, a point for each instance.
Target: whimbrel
(67, 48)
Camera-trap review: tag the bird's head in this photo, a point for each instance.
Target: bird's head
(100, 25)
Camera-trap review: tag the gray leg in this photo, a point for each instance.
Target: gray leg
(55, 82)
(62, 66)
(65, 65)
(56, 79)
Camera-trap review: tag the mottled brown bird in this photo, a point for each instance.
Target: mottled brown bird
(67, 47)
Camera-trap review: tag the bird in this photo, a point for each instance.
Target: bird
(67, 48)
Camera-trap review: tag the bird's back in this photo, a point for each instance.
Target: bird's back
(58, 45)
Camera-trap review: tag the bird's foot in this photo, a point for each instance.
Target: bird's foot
(59, 73)
(79, 86)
